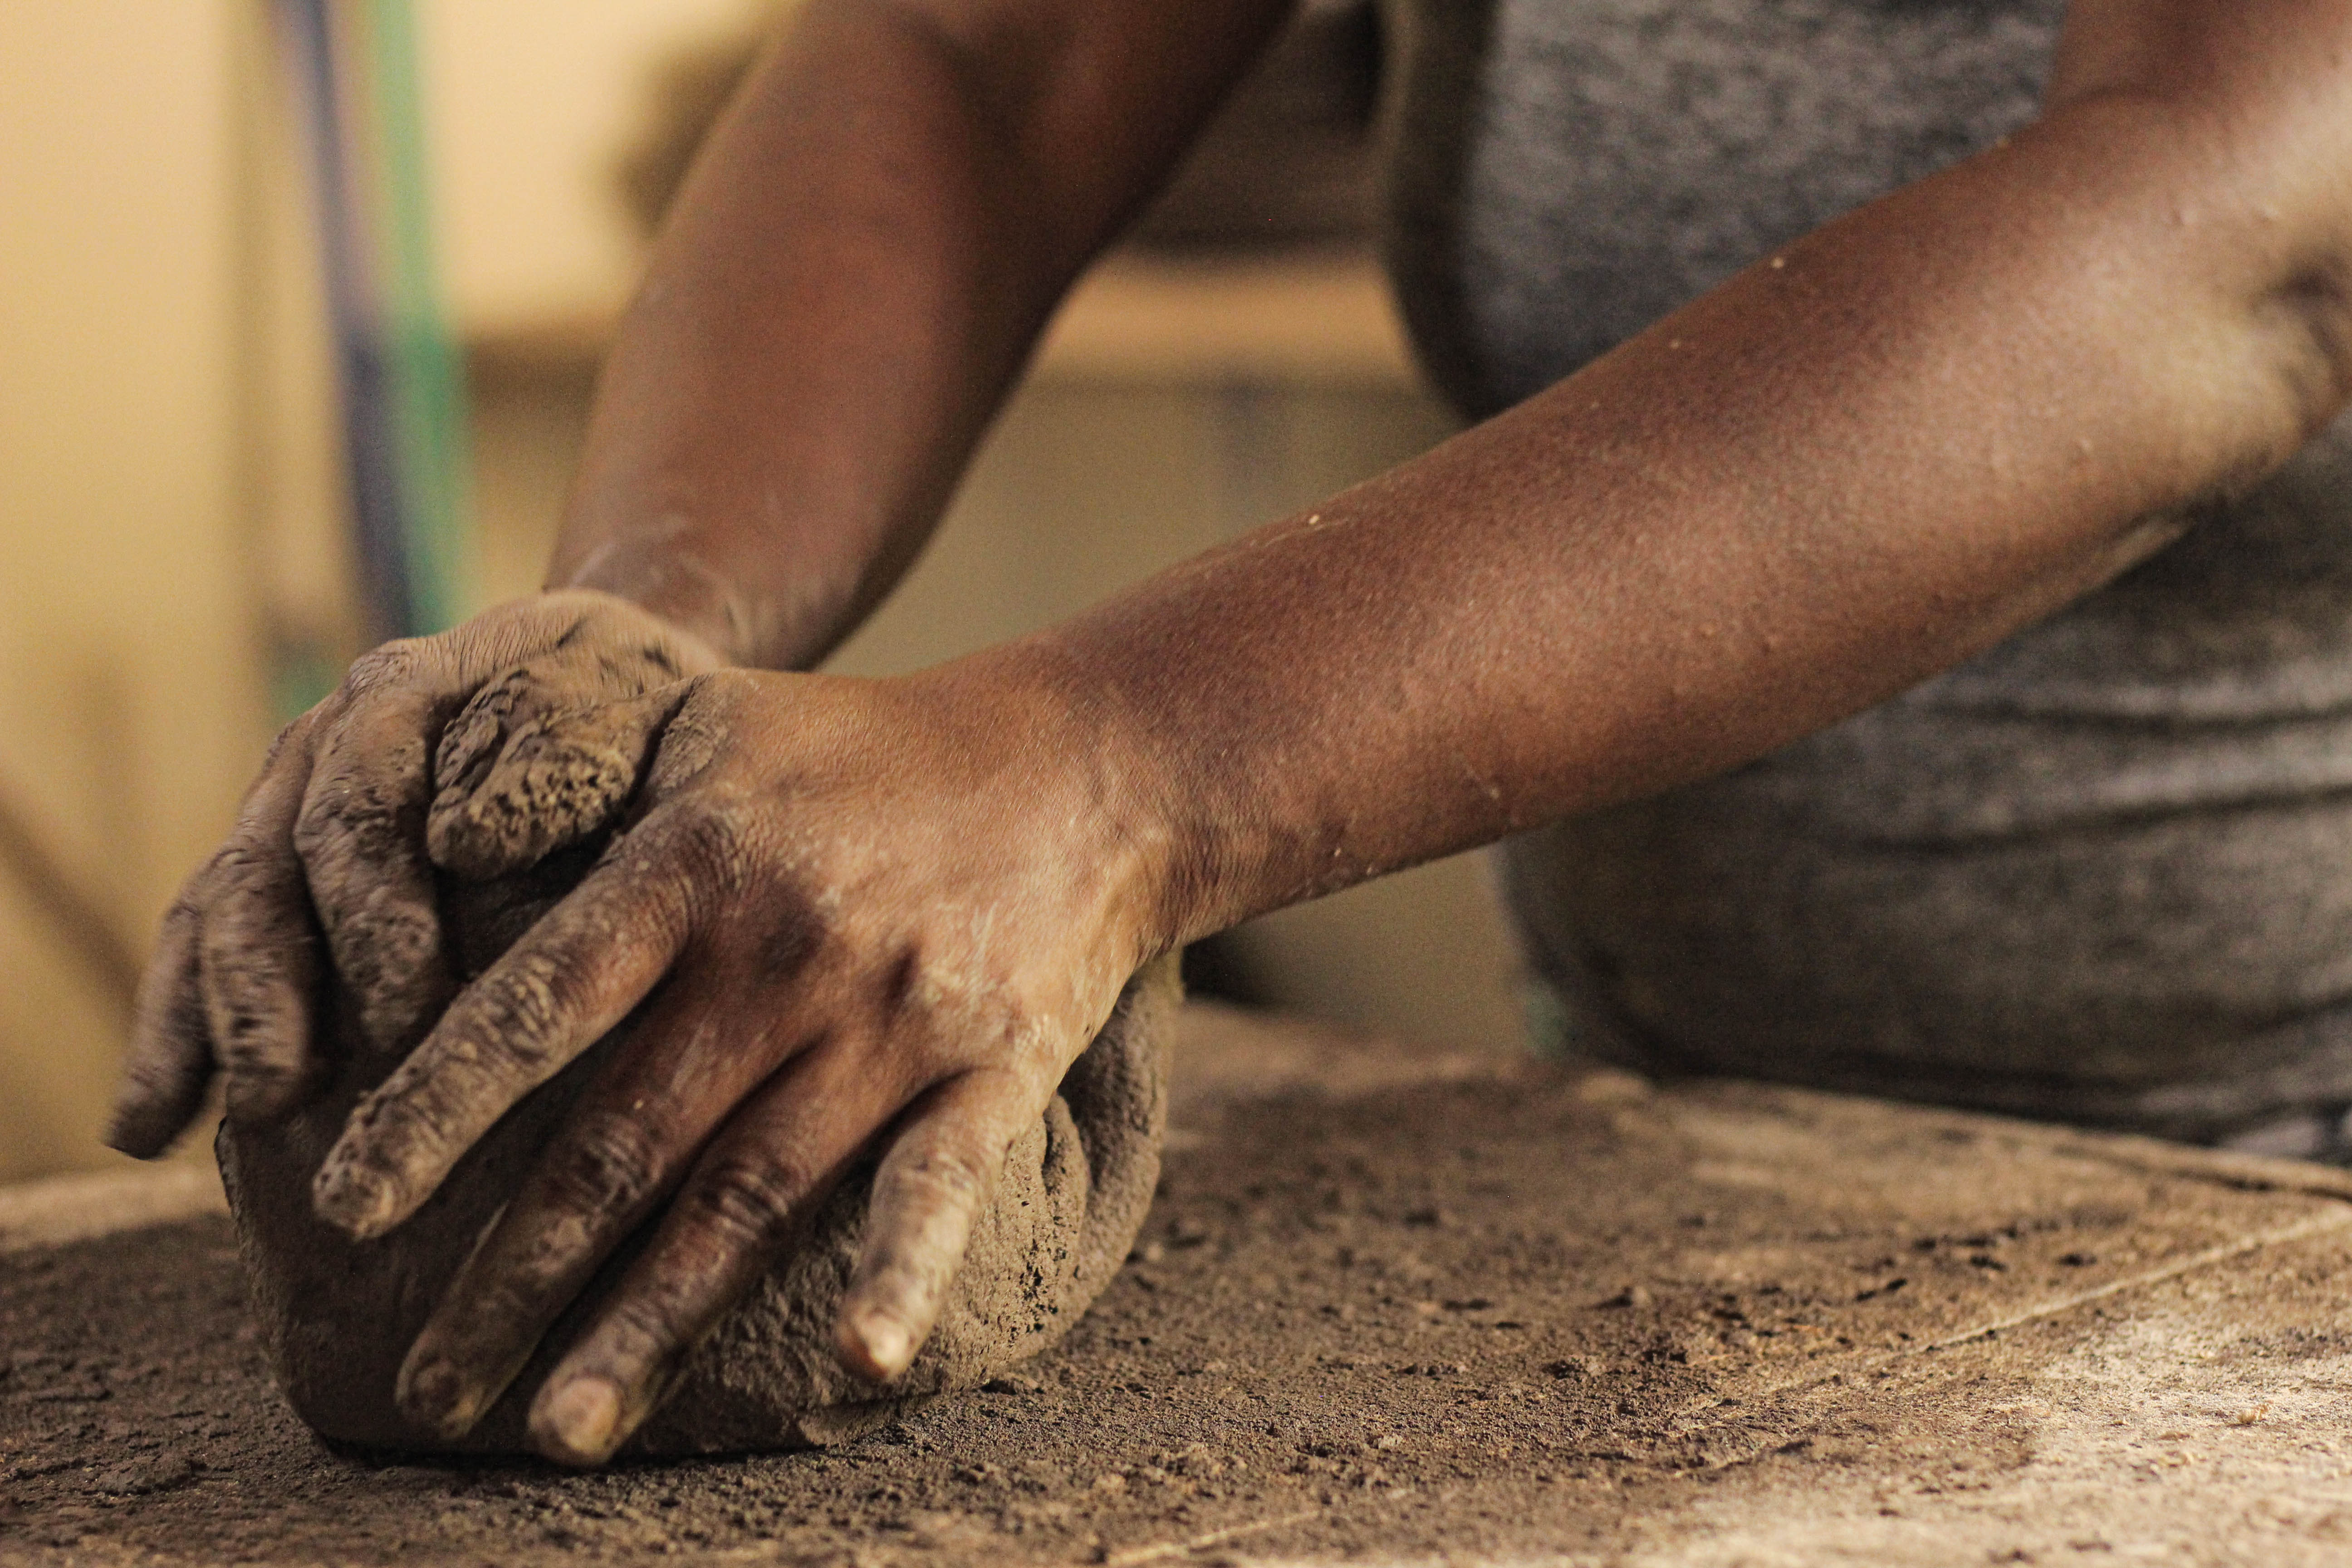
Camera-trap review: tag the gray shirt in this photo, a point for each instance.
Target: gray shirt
(2103, 872)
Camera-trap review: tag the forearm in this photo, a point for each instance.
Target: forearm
(1857, 464)
(854, 274)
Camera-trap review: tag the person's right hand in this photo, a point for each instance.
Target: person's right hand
(332, 842)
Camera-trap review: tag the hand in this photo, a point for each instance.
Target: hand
(851, 910)
(331, 841)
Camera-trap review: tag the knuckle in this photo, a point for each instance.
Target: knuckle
(246, 1038)
(389, 953)
(359, 816)
(261, 841)
(392, 664)
(293, 739)
(714, 840)
(254, 900)
(616, 1163)
(264, 1082)
(317, 831)
(235, 866)
(519, 1011)
(204, 889)
(944, 1174)
(750, 1199)
(249, 1002)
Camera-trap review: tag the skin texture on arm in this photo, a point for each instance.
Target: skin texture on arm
(887, 913)
(1859, 462)
(855, 271)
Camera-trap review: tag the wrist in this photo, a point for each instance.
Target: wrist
(677, 588)
(1070, 760)
(690, 652)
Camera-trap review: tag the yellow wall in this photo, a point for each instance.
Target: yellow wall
(530, 103)
(130, 712)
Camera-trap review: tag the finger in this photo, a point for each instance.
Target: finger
(579, 669)
(257, 952)
(169, 1059)
(470, 743)
(621, 1152)
(560, 777)
(362, 838)
(255, 1021)
(568, 979)
(939, 1175)
(748, 1195)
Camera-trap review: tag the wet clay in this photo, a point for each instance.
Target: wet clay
(335, 1317)
(1381, 1317)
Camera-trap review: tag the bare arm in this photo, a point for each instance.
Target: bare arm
(855, 270)
(1857, 463)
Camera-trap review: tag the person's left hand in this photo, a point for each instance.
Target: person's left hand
(861, 908)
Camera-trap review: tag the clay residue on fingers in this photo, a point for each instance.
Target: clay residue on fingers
(577, 973)
(470, 744)
(341, 1316)
(361, 838)
(169, 1059)
(257, 961)
(387, 948)
(553, 787)
(405, 1134)
(258, 968)
(561, 778)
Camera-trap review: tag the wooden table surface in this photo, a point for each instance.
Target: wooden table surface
(1391, 1306)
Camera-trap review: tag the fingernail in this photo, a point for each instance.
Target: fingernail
(130, 1130)
(355, 1200)
(432, 1394)
(887, 1344)
(580, 1418)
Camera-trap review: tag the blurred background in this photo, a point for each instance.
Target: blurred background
(300, 308)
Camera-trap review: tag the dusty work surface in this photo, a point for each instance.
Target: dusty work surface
(1431, 1307)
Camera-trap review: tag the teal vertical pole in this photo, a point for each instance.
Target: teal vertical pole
(426, 374)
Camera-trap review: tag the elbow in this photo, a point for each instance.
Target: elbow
(2307, 315)
(2236, 117)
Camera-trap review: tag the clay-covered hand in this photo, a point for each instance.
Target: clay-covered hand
(331, 843)
(860, 917)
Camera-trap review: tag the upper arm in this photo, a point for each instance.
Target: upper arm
(1095, 100)
(2263, 51)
